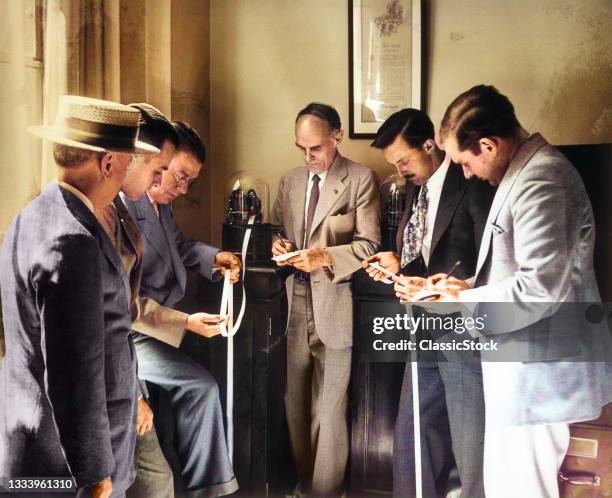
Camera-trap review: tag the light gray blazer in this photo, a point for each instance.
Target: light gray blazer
(537, 247)
(346, 222)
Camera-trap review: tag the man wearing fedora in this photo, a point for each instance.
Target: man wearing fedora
(68, 385)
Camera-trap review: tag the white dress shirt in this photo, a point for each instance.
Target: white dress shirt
(434, 191)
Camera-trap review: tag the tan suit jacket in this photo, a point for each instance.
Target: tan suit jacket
(347, 223)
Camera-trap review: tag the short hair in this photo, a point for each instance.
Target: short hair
(189, 141)
(154, 127)
(479, 112)
(67, 156)
(322, 111)
(413, 125)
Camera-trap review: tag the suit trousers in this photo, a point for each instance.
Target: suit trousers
(519, 460)
(154, 478)
(200, 443)
(452, 430)
(316, 400)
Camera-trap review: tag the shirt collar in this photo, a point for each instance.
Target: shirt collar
(153, 203)
(84, 199)
(320, 175)
(437, 179)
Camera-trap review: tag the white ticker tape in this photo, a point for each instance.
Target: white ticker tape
(229, 330)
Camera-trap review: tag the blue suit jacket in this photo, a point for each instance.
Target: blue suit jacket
(68, 382)
(167, 254)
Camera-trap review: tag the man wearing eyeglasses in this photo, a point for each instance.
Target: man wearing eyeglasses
(167, 255)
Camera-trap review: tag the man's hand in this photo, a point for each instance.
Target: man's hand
(226, 260)
(449, 287)
(309, 260)
(144, 417)
(405, 287)
(102, 489)
(205, 324)
(388, 260)
(282, 246)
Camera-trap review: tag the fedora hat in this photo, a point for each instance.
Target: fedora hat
(94, 124)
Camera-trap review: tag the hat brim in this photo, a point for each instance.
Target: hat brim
(55, 135)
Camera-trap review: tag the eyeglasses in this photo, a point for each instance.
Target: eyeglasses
(182, 180)
(132, 163)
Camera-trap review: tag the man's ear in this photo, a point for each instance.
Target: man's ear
(429, 145)
(106, 164)
(339, 136)
(489, 145)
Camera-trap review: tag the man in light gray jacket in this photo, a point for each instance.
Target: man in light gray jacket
(537, 247)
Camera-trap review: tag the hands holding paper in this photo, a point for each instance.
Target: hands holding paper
(440, 287)
(205, 324)
(387, 260)
(306, 260)
(226, 260)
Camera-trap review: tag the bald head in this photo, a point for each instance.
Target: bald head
(318, 141)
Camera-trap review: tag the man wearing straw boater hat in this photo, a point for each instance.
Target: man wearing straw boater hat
(68, 384)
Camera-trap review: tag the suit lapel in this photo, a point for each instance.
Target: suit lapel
(331, 192)
(129, 227)
(167, 225)
(410, 193)
(452, 192)
(88, 219)
(298, 201)
(150, 225)
(521, 157)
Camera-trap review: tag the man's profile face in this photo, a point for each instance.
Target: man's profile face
(415, 164)
(317, 142)
(183, 171)
(148, 171)
(481, 161)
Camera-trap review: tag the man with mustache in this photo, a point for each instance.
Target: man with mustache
(443, 222)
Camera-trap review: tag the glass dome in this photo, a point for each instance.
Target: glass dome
(246, 195)
(393, 199)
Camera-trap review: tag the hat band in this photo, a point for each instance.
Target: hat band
(100, 134)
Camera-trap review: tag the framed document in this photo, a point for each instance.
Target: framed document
(384, 61)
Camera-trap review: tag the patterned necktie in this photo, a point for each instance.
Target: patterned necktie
(415, 229)
(312, 206)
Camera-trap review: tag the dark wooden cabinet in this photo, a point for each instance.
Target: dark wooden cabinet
(375, 392)
(262, 458)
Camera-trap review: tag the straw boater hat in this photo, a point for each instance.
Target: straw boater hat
(97, 125)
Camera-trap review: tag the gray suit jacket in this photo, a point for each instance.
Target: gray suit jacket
(537, 247)
(347, 223)
(167, 255)
(68, 384)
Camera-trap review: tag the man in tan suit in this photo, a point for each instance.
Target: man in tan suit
(329, 210)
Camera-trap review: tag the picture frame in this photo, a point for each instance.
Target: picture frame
(385, 50)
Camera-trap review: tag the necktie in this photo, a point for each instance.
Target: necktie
(312, 206)
(415, 229)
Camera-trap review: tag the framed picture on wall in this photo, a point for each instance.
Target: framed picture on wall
(384, 61)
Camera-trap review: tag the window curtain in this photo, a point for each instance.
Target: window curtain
(81, 57)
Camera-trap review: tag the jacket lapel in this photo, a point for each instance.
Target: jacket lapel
(150, 225)
(410, 193)
(452, 192)
(331, 192)
(167, 224)
(525, 152)
(129, 227)
(88, 219)
(298, 203)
